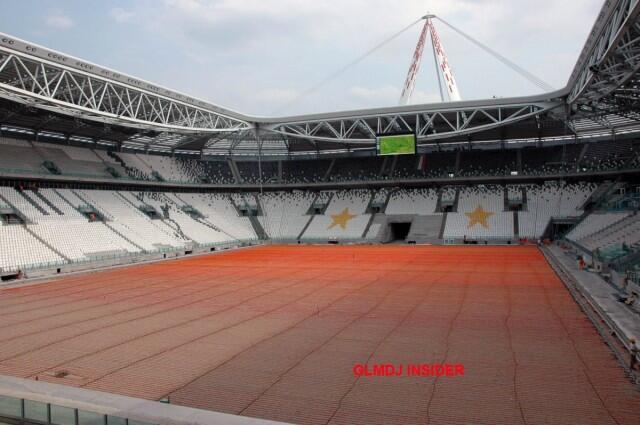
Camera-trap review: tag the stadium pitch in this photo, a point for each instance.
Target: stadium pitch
(278, 332)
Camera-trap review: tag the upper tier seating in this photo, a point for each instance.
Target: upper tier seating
(487, 163)
(28, 157)
(136, 167)
(349, 169)
(252, 172)
(174, 171)
(216, 171)
(305, 171)
(73, 160)
(610, 156)
(111, 162)
(20, 155)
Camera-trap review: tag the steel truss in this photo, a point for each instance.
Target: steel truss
(48, 85)
(432, 123)
(612, 59)
(603, 94)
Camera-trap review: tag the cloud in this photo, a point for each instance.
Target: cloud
(278, 96)
(256, 56)
(389, 95)
(420, 96)
(383, 94)
(120, 15)
(59, 21)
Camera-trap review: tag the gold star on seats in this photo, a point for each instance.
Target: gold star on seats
(341, 219)
(478, 216)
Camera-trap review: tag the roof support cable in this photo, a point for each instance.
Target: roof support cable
(345, 68)
(523, 72)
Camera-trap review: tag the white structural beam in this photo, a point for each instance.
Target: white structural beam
(416, 60)
(432, 123)
(45, 84)
(444, 68)
(603, 94)
(611, 56)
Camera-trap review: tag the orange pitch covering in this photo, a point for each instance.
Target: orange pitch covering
(275, 332)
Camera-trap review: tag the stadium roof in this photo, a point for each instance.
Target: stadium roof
(56, 95)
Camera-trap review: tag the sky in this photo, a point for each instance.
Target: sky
(259, 57)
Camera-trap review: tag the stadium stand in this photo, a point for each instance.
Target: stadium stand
(547, 160)
(72, 160)
(285, 213)
(19, 155)
(351, 169)
(85, 224)
(124, 216)
(515, 193)
(251, 172)
(100, 170)
(32, 157)
(21, 250)
(305, 171)
(623, 233)
(135, 166)
(373, 231)
(487, 163)
(551, 200)
(432, 165)
(605, 157)
(594, 223)
(412, 201)
(344, 218)
(480, 214)
(207, 171)
(607, 232)
(219, 210)
(171, 170)
(170, 208)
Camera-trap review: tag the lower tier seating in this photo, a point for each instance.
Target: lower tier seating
(62, 225)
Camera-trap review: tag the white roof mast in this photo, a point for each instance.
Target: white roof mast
(443, 69)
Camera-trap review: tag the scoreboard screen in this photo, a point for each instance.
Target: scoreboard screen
(398, 144)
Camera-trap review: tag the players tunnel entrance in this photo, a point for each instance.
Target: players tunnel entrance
(399, 231)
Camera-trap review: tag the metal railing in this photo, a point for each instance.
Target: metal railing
(27, 401)
(37, 412)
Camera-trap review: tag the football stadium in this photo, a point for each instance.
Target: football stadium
(166, 260)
